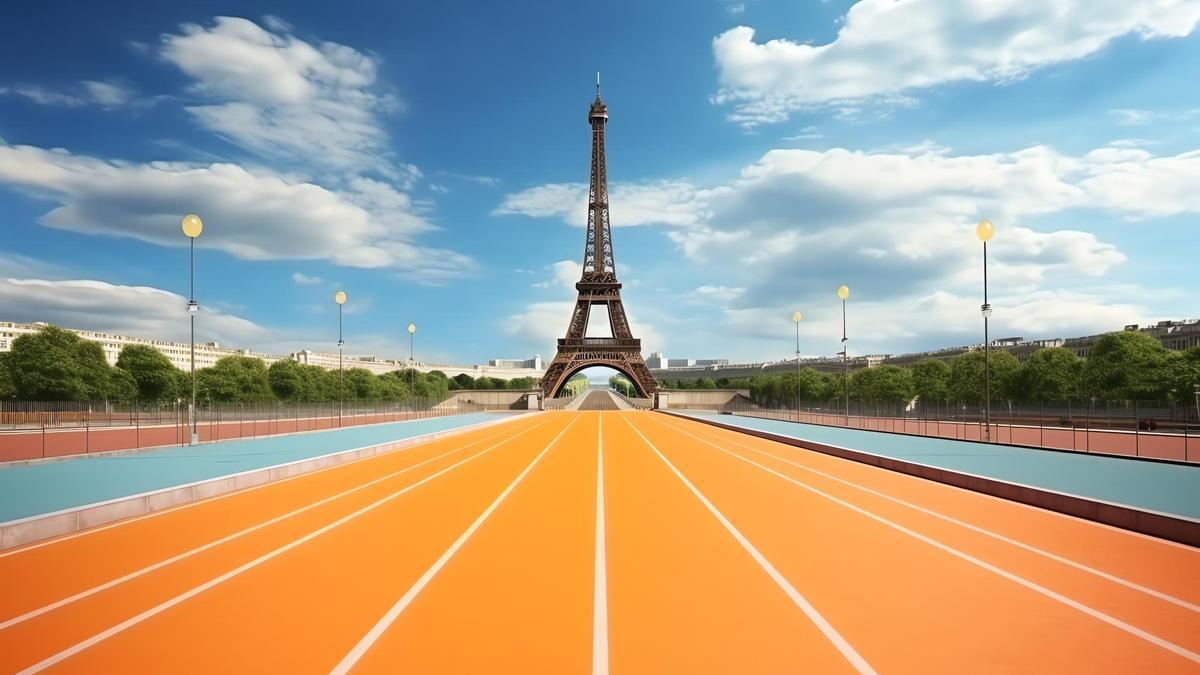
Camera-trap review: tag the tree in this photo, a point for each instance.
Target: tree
(523, 383)
(56, 365)
(361, 385)
(234, 379)
(8, 388)
(621, 384)
(485, 382)
(1049, 375)
(931, 381)
(1183, 374)
(464, 381)
(152, 372)
(883, 384)
(288, 381)
(968, 381)
(1127, 366)
(123, 387)
(705, 383)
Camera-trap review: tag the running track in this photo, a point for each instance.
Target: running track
(693, 550)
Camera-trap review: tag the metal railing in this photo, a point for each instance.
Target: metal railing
(31, 430)
(1135, 429)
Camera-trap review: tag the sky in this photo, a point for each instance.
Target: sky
(431, 160)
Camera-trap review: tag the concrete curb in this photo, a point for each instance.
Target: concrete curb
(1144, 521)
(57, 523)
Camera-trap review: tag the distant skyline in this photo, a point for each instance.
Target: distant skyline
(432, 162)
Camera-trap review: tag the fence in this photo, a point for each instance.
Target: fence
(31, 430)
(1136, 429)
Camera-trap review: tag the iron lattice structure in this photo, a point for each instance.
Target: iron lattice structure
(598, 286)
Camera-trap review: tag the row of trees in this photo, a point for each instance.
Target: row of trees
(58, 365)
(1126, 366)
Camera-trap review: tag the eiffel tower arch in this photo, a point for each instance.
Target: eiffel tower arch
(598, 286)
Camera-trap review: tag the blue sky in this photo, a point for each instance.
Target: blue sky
(430, 161)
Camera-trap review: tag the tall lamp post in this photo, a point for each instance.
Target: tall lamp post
(985, 231)
(192, 227)
(412, 375)
(340, 299)
(796, 319)
(843, 292)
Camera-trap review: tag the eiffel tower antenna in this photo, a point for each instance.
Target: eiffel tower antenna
(598, 285)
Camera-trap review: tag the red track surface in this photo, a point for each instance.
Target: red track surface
(718, 553)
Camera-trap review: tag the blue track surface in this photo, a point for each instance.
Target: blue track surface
(27, 490)
(1157, 486)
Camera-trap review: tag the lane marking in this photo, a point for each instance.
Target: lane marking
(207, 500)
(848, 652)
(163, 606)
(228, 538)
(974, 528)
(1094, 523)
(1053, 595)
(600, 588)
(373, 635)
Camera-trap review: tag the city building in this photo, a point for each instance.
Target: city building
(535, 363)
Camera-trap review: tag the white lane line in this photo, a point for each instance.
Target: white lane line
(860, 664)
(600, 587)
(974, 528)
(1053, 595)
(163, 606)
(1158, 541)
(228, 538)
(373, 635)
(208, 500)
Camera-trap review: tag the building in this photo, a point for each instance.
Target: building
(535, 363)
(178, 353)
(1174, 335)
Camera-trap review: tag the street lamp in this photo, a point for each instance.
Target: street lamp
(843, 292)
(985, 231)
(340, 299)
(412, 329)
(192, 227)
(796, 319)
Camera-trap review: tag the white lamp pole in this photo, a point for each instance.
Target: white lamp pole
(843, 292)
(796, 319)
(412, 329)
(985, 231)
(192, 227)
(340, 299)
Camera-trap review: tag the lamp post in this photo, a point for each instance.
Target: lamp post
(192, 227)
(843, 292)
(340, 299)
(796, 319)
(412, 375)
(985, 231)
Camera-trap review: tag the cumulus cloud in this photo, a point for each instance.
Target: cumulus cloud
(673, 203)
(253, 215)
(306, 280)
(886, 50)
(279, 96)
(128, 310)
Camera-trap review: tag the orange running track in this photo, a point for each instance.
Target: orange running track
(589, 542)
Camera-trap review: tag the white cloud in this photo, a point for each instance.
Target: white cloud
(676, 203)
(1135, 117)
(306, 280)
(128, 310)
(111, 94)
(723, 293)
(252, 215)
(280, 96)
(539, 326)
(885, 49)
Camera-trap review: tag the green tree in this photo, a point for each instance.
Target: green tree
(485, 382)
(523, 383)
(153, 374)
(234, 379)
(1127, 366)
(931, 381)
(705, 383)
(883, 384)
(361, 385)
(968, 381)
(287, 380)
(463, 381)
(123, 387)
(1183, 374)
(8, 388)
(621, 384)
(1049, 375)
(56, 365)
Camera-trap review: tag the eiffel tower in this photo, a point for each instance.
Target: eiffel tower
(598, 286)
